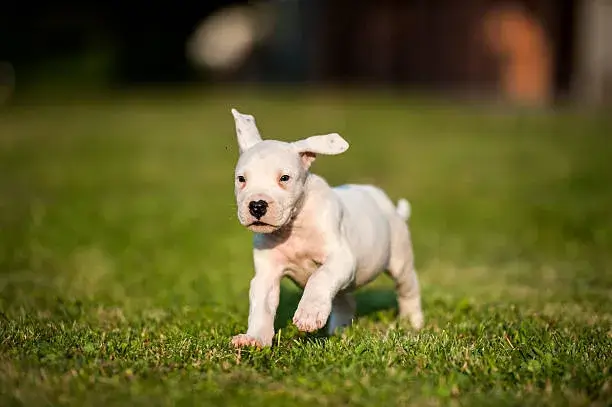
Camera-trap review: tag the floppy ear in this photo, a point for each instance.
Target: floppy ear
(329, 144)
(246, 130)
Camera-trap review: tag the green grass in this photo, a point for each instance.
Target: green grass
(124, 272)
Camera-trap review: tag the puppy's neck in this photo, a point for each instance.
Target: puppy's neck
(303, 210)
(313, 186)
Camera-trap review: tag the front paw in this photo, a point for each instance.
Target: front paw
(312, 315)
(244, 340)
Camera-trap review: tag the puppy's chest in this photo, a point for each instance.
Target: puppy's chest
(301, 254)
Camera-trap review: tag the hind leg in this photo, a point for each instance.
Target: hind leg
(401, 269)
(343, 312)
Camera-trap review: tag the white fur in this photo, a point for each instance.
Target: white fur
(329, 241)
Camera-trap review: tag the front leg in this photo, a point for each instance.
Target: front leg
(263, 301)
(335, 275)
(343, 312)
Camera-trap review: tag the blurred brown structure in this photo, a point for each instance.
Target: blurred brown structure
(593, 79)
(527, 51)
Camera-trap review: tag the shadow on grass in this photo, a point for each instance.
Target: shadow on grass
(369, 302)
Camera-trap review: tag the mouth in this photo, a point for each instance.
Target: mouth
(261, 227)
(259, 223)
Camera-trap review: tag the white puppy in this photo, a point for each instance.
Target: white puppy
(329, 241)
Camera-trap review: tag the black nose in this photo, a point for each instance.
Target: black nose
(258, 208)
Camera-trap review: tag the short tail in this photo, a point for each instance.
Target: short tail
(403, 209)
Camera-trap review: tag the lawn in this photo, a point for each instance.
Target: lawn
(124, 271)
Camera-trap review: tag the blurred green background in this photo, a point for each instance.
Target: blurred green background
(125, 271)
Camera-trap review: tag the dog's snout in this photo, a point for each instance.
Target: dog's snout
(258, 208)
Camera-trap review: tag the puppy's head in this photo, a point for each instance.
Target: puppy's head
(270, 175)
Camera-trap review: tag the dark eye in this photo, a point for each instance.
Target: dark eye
(241, 179)
(285, 178)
